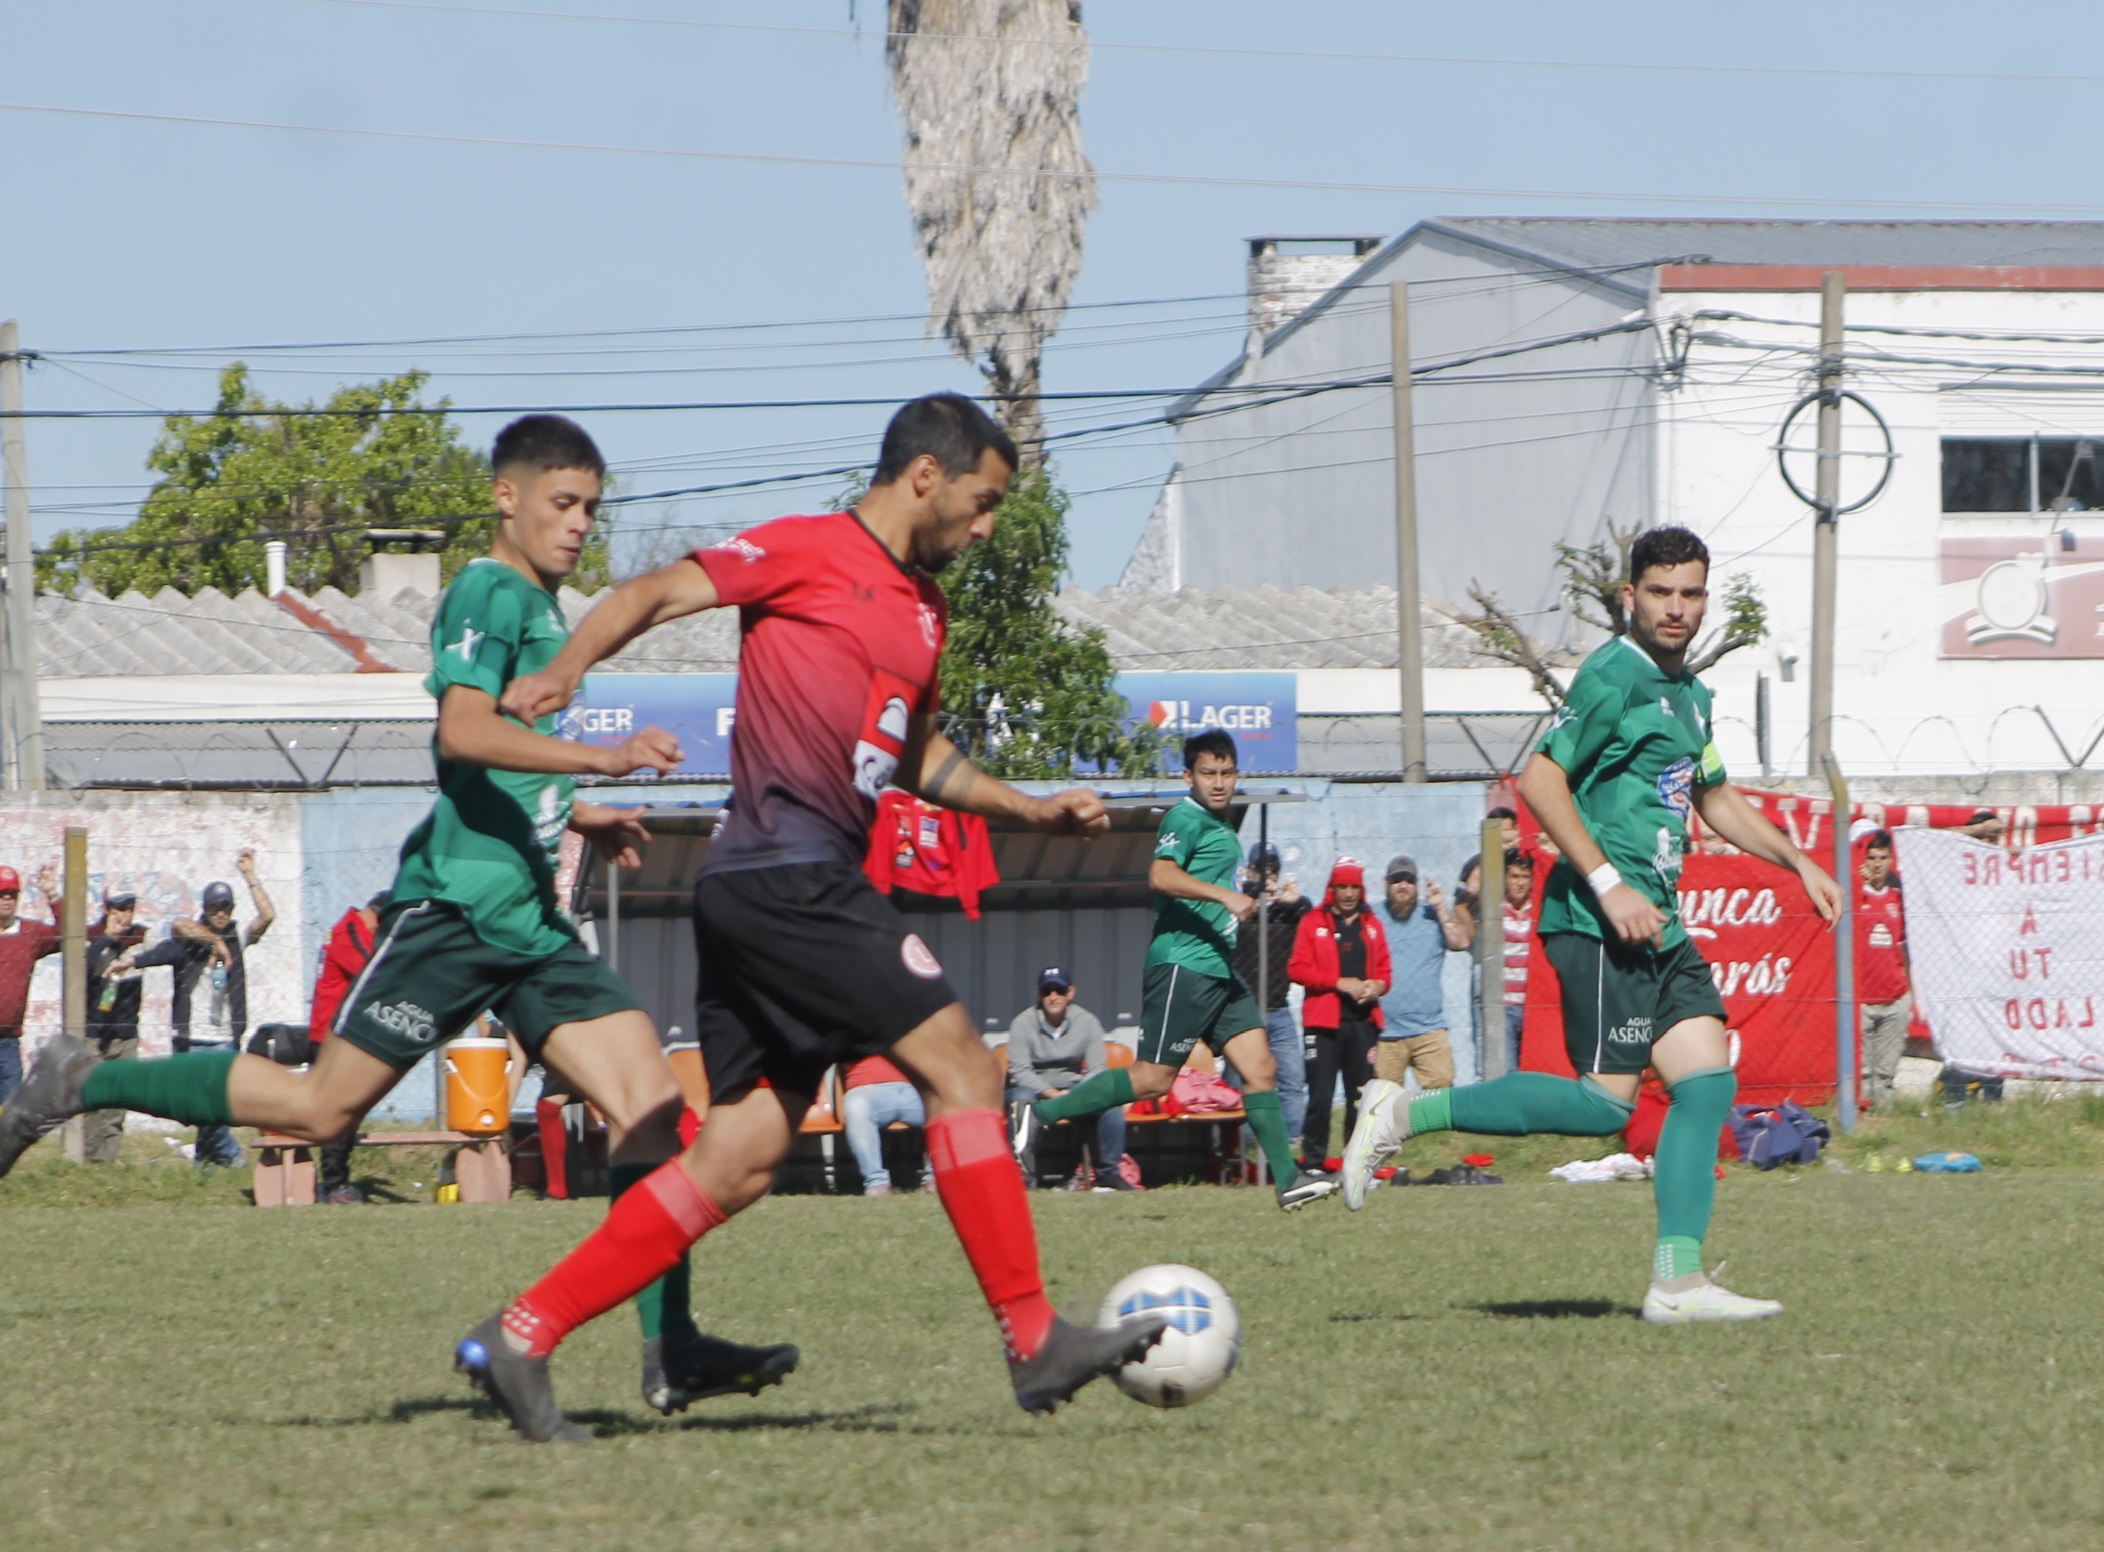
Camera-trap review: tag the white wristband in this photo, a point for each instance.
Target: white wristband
(1602, 879)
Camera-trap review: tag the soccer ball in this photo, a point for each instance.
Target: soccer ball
(1198, 1351)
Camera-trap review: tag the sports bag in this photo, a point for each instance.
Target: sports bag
(1781, 1134)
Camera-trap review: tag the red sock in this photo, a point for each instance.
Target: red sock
(644, 1235)
(982, 1191)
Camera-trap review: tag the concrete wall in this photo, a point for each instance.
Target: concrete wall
(1901, 709)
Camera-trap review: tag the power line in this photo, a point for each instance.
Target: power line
(1191, 180)
(2025, 78)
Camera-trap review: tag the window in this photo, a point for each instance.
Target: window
(2023, 474)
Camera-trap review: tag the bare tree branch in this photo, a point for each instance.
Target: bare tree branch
(1499, 638)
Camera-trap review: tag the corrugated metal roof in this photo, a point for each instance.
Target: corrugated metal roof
(1583, 241)
(1230, 628)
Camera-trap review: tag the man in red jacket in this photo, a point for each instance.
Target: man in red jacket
(343, 960)
(1340, 956)
(22, 943)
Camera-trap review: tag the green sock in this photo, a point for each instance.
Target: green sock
(1522, 1103)
(1432, 1111)
(666, 1301)
(1676, 1256)
(1267, 1118)
(1684, 1170)
(190, 1088)
(1091, 1096)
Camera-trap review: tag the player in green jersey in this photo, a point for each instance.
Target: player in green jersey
(472, 921)
(1191, 990)
(1627, 759)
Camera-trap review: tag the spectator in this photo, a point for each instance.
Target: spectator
(1052, 1047)
(1519, 947)
(1883, 985)
(1283, 907)
(1468, 884)
(216, 956)
(877, 1095)
(1984, 825)
(22, 944)
(116, 963)
(1340, 956)
(1421, 933)
(343, 959)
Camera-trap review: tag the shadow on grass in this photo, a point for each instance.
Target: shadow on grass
(877, 1417)
(1557, 1309)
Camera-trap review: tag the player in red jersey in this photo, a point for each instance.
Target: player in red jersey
(802, 963)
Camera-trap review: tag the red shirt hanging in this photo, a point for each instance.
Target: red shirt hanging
(930, 850)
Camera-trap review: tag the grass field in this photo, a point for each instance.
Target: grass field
(1450, 1369)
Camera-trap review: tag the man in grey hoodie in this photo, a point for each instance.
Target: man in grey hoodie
(1051, 1047)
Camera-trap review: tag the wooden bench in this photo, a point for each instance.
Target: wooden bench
(285, 1165)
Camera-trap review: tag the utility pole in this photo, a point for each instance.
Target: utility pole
(25, 716)
(1819, 743)
(1410, 641)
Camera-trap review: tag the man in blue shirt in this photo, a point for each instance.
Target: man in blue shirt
(1421, 933)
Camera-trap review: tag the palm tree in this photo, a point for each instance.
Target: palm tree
(996, 179)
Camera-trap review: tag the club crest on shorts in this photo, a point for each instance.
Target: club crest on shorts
(919, 958)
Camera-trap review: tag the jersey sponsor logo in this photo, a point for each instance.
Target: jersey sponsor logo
(404, 1018)
(743, 548)
(469, 644)
(1636, 1032)
(1165, 845)
(1665, 704)
(919, 958)
(1676, 783)
(1665, 859)
(930, 633)
(552, 819)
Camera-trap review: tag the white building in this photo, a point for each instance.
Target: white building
(1570, 375)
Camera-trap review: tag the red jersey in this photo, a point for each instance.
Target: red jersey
(343, 959)
(839, 645)
(1881, 944)
(1519, 948)
(21, 946)
(930, 850)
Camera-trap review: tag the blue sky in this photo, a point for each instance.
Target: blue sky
(1211, 119)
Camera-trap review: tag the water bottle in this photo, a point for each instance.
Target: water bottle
(218, 978)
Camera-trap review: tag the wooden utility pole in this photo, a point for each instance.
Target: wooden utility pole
(1491, 1055)
(1819, 742)
(25, 716)
(1410, 642)
(73, 931)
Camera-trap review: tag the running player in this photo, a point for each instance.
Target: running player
(802, 963)
(1191, 991)
(472, 921)
(1627, 759)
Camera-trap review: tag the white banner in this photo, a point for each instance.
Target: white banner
(2007, 953)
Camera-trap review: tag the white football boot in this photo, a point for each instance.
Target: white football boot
(1384, 1122)
(1706, 1301)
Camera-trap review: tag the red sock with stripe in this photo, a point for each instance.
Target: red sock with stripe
(643, 1237)
(982, 1190)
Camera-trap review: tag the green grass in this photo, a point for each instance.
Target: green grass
(1451, 1369)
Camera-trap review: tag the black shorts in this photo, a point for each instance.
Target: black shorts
(800, 967)
(1618, 999)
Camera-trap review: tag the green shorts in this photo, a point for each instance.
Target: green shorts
(430, 975)
(1618, 1000)
(1182, 1006)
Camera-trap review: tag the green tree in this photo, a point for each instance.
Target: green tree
(256, 469)
(1025, 693)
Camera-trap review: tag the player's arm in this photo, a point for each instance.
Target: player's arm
(638, 604)
(615, 833)
(472, 731)
(1166, 878)
(266, 913)
(1545, 786)
(935, 769)
(1457, 930)
(1725, 810)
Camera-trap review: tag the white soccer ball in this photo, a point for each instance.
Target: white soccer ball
(1198, 1351)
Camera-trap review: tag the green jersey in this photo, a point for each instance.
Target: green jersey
(1196, 934)
(1636, 744)
(490, 845)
